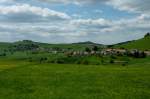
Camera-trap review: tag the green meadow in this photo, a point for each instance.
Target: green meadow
(26, 80)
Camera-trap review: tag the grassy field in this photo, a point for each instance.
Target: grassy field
(24, 80)
(141, 44)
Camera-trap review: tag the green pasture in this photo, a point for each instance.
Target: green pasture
(24, 80)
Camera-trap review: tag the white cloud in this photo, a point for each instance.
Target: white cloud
(128, 5)
(140, 6)
(26, 9)
(77, 2)
(77, 16)
(91, 22)
(24, 21)
(98, 11)
(5, 1)
(98, 30)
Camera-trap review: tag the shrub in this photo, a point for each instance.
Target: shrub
(85, 62)
(113, 57)
(95, 48)
(3, 54)
(147, 35)
(123, 64)
(111, 61)
(87, 49)
(60, 61)
(43, 59)
(102, 61)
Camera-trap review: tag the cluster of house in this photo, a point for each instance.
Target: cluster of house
(107, 52)
(82, 53)
(147, 53)
(113, 51)
(133, 52)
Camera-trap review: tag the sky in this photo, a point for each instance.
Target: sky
(68, 21)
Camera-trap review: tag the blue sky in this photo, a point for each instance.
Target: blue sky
(67, 21)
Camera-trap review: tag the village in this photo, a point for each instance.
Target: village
(104, 52)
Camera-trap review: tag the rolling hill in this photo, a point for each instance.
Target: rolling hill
(28, 45)
(4, 45)
(141, 44)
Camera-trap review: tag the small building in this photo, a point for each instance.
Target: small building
(147, 53)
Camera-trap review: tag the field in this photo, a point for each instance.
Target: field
(24, 80)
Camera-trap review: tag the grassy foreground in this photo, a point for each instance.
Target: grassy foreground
(20, 80)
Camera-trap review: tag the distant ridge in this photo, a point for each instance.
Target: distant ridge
(87, 42)
(29, 45)
(25, 41)
(141, 44)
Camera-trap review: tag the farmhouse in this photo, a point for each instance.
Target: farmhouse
(113, 51)
(147, 53)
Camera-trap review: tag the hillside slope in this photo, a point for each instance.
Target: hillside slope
(27, 45)
(4, 45)
(141, 44)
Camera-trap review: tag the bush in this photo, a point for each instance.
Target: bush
(3, 54)
(102, 61)
(123, 64)
(52, 61)
(43, 59)
(60, 61)
(137, 54)
(147, 35)
(112, 61)
(95, 48)
(30, 59)
(85, 62)
(113, 57)
(87, 49)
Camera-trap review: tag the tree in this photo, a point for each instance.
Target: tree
(138, 54)
(87, 49)
(95, 48)
(2, 54)
(43, 59)
(142, 55)
(147, 35)
(112, 61)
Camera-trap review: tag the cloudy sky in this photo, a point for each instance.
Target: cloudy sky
(67, 21)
